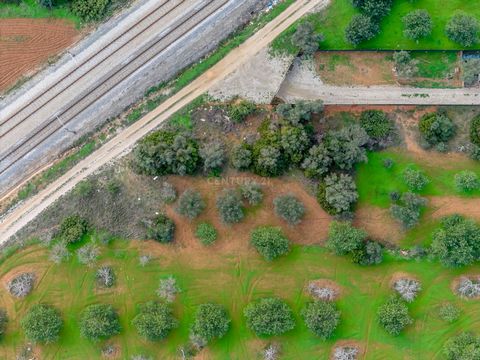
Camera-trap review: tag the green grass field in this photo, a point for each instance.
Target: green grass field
(333, 21)
(375, 182)
(233, 280)
(32, 9)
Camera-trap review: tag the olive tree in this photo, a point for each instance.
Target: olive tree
(321, 318)
(393, 316)
(415, 179)
(269, 316)
(230, 208)
(241, 156)
(270, 242)
(317, 162)
(289, 208)
(346, 146)
(436, 128)
(343, 238)
(190, 204)
(465, 346)
(161, 229)
(299, 112)
(206, 233)
(213, 155)
(252, 192)
(466, 180)
(360, 29)
(211, 322)
(73, 228)
(417, 24)
(154, 321)
(340, 192)
(99, 321)
(306, 39)
(407, 211)
(463, 29)
(42, 324)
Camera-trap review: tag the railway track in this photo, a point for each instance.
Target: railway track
(180, 28)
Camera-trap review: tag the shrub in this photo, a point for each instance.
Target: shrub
(318, 161)
(408, 211)
(21, 285)
(294, 141)
(466, 181)
(377, 125)
(88, 254)
(340, 192)
(270, 242)
(388, 163)
(269, 160)
(206, 233)
(374, 8)
(229, 205)
(457, 242)
(3, 321)
(154, 321)
(370, 253)
(168, 289)
(306, 39)
(99, 321)
(252, 193)
(240, 110)
(190, 204)
(241, 156)
(393, 316)
(463, 29)
(211, 321)
(300, 112)
(90, 10)
(345, 146)
(161, 229)
(361, 28)
(73, 228)
(405, 66)
(167, 192)
(407, 288)
(269, 316)
(289, 208)
(105, 277)
(449, 312)
(321, 318)
(418, 24)
(59, 253)
(42, 324)
(343, 238)
(468, 288)
(166, 152)
(84, 189)
(436, 128)
(415, 179)
(213, 156)
(475, 131)
(471, 71)
(465, 346)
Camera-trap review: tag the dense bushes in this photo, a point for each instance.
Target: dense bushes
(240, 110)
(167, 152)
(73, 228)
(90, 10)
(206, 233)
(337, 194)
(269, 316)
(270, 242)
(436, 128)
(211, 322)
(161, 229)
(252, 193)
(393, 315)
(99, 322)
(241, 156)
(405, 66)
(475, 131)
(306, 39)
(230, 208)
(457, 242)
(213, 156)
(289, 208)
(377, 125)
(154, 321)
(466, 181)
(317, 162)
(465, 346)
(463, 29)
(190, 204)
(369, 253)
(321, 318)
(299, 112)
(415, 179)
(42, 324)
(346, 146)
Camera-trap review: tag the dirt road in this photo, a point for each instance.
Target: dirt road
(124, 142)
(302, 83)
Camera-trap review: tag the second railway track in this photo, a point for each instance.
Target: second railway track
(60, 120)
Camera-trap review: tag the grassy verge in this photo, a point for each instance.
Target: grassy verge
(233, 282)
(333, 21)
(32, 9)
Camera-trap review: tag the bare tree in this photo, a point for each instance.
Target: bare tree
(21, 285)
(407, 288)
(345, 353)
(168, 289)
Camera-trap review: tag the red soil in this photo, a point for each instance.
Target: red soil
(25, 44)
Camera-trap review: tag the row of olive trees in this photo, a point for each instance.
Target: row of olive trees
(87, 10)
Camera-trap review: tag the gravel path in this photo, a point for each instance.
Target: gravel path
(302, 83)
(124, 141)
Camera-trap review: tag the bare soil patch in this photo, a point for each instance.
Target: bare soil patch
(25, 44)
(448, 205)
(355, 68)
(326, 283)
(378, 223)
